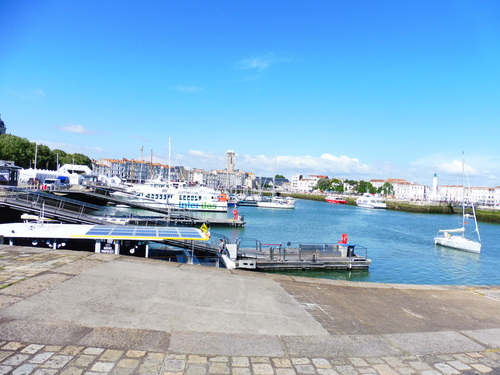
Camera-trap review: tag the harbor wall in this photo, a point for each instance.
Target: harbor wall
(489, 216)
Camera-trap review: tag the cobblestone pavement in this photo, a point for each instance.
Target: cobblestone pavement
(38, 358)
(28, 358)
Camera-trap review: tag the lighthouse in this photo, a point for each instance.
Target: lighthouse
(434, 187)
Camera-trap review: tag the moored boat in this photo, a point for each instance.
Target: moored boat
(197, 198)
(368, 200)
(455, 238)
(336, 199)
(277, 202)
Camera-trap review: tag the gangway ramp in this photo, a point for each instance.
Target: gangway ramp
(51, 206)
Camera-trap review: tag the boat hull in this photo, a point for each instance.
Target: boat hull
(336, 201)
(275, 205)
(459, 243)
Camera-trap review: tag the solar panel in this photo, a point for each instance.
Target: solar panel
(168, 233)
(98, 232)
(141, 231)
(146, 234)
(122, 232)
(189, 233)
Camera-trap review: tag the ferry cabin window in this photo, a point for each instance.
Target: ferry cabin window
(189, 198)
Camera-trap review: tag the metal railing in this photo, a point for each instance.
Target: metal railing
(316, 252)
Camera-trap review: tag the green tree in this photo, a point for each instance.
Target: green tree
(17, 149)
(22, 152)
(365, 187)
(79, 159)
(323, 184)
(45, 158)
(337, 185)
(59, 156)
(279, 176)
(387, 189)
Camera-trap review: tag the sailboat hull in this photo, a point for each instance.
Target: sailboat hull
(459, 243)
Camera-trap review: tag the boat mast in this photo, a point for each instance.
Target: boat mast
(463, 195)
(472, 204)
(169, 155)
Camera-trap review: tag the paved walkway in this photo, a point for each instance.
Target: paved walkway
(68, 312)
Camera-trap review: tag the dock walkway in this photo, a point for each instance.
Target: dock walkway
(70, 210)
(67, 312)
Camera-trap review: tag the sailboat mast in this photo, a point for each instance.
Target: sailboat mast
(472, 205)
(463, 194)
(169, 155)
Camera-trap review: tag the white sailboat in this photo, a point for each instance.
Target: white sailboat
(277, 201)
(455, 238)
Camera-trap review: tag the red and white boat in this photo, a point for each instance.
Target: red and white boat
(335, 199)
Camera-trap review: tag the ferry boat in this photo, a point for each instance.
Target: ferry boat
(335, 199)
(160, 193)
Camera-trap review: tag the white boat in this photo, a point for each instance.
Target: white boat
(368, 200)
(277, 202)
(156, 193)
(455, 238)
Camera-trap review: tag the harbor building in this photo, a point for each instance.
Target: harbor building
(301, 184)
(9, 173)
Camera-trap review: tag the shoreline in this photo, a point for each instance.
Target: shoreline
(482, 214)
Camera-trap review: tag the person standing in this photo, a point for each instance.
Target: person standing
(222, 247)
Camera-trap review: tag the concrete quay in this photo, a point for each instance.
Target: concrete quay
(69, 312)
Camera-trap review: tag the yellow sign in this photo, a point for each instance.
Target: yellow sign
(204, 228)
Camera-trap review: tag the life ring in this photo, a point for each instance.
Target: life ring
(344, 238)
(235, 214)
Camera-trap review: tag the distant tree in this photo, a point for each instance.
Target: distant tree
(365, 187)
(351, 182)
(17, 149)
(337, 185)
(323, 184)
(279, 176)
(22, 152)
(386, 189)
(79, 159)
(60, 157)
(45, 158)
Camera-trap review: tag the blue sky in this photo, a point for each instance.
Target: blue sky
(354, 89)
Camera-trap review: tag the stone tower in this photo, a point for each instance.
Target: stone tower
(230, 161)
(3, 129)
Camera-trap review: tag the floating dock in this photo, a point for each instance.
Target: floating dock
(339, 256)
(303, 257)
(190, 244)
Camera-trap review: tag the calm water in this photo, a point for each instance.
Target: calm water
(399, 244)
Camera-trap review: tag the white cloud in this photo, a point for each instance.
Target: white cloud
(202, 154)
(481, 170)
(75, 129)
(326, 164)
(260, 63)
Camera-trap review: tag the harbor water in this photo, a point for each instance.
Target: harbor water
(400, 244)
